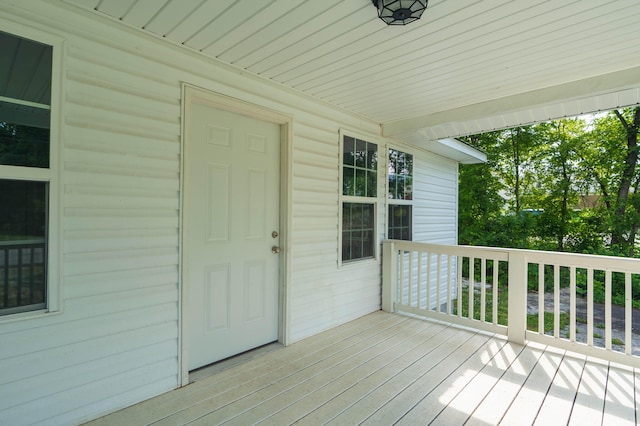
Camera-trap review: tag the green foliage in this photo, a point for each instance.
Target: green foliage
(616, 341)
(549, 317)
(502, 308)
(571, 185)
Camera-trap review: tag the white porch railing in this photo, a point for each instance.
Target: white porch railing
(526, 295)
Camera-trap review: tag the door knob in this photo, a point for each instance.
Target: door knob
(275, 249)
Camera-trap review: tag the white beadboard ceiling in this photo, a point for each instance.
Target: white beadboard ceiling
(466, 66)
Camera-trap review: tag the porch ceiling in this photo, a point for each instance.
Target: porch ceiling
(466, 66)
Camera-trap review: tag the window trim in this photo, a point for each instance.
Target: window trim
(375, 201)
(52, 175)
(396, 201)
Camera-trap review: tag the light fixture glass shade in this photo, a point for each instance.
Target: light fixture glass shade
(400, 12)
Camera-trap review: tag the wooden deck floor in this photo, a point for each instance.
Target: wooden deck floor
(387, 369)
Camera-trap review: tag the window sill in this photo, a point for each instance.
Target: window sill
(25, 316)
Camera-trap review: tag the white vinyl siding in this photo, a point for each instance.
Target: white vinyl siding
(435, 199)
(117, 341)
(435, 209)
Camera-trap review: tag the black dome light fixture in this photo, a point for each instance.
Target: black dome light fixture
(399, 12)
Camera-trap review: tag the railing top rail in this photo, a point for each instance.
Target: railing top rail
(453, 250)
(578, 260)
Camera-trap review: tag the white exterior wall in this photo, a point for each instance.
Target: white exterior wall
(435, 199)
(436, 212)
(435, 220)
(117, 340)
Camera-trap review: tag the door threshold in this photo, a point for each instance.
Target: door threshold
(232, 361)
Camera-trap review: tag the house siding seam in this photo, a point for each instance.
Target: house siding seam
(117, 341)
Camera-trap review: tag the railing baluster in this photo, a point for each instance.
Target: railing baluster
(428, 281)
(438, 282)
(449, 284)
(607, 310)
(5, 253)
(572, 303)
(496, 266)
(459, 288)
(419, 279)
(483, 291)
(19, 274)
(556, 300)
(410, 279)
(401, 273)
(590, 306)
(472, 266)
(628, 314)
(32, 264)
(541, 298)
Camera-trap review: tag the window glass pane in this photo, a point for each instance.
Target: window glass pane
(372, 183)
(23, 218)
(21, 144)
(348, 181)
(348, 150)
(25, 69)
(400, 175)
(358, 231)
(25, 88)
(361, 153)
(399, 222)
(361, 157)
(361, 183)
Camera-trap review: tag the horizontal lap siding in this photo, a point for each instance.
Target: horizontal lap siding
(435, 199)
(120, 204)
(116, 343)
(323, 295)
(435, 220)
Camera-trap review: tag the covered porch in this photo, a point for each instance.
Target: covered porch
(388, 368)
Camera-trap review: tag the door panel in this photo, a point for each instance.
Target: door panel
(231, 209)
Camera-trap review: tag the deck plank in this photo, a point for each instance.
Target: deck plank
(619, 403)
(166, 405)
(525, 406)
(301, 398)
(437, 399)
(330, 390)
(556, 408)
(303, 374)
(404, 401)
(356, 394)
(588, 407)
(497, 401)
(387, 369)
(451, 342)
(465, 403)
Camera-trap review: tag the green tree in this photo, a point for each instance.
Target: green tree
(557, 186)
(481, 205)
(609, 154)
(485, 216)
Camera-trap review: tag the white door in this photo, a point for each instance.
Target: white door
(232, 200)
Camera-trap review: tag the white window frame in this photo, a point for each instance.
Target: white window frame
(52, 175)
(375, 201)
(395, 201)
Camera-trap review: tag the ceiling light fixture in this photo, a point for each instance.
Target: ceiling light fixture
(399, 12)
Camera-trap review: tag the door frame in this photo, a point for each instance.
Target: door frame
(193, 94)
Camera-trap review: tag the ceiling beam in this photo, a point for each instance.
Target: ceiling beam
(593, 86)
